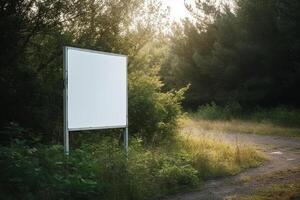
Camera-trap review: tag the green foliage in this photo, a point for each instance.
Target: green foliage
(102, 170)
(279, 115)
(31, 78)
(214, 111)
(152, 113)
(174, 176)
(248, 53)
(45, 173)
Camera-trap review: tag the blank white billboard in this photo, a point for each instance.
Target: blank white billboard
(96, 89)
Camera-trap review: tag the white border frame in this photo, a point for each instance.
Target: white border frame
(65, 99)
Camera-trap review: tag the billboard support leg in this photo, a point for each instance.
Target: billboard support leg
(66, 142)
(126, 139)
(65, 95)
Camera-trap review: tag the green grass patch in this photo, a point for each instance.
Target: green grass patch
(233, 118)
(289, 191)
(102, 171)
(281, 115)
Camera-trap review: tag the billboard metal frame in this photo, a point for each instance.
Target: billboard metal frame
(65, 99)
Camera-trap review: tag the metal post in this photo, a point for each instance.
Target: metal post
(126, 139)
(66, 142)
(66, 130)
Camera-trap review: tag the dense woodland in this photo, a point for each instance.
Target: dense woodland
(248, 54)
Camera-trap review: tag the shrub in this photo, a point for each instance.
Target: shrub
(214, 111)
(152, 113)
(176, 176)
(279, 115)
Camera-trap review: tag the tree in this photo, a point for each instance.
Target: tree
(246, 54)
(31, 58)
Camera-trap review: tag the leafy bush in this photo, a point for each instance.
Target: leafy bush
(174, 176)
(214, 111)
(152, 113)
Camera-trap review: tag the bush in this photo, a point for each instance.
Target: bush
(175, 177)
(214, 111)
(153, 114)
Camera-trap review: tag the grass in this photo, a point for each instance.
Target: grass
(245, 126)
(280, 115)
(289, 191)
(279, 185)
(214, 158)
(233, 118)
(102, 171)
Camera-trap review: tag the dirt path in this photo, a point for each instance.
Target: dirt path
(283, 166)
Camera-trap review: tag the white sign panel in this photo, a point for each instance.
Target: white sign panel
(96, 89)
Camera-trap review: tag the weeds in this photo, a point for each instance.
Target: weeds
(214, 158)
(275, 192)
(102, 170)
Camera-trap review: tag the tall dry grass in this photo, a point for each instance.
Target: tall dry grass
(215, 158)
